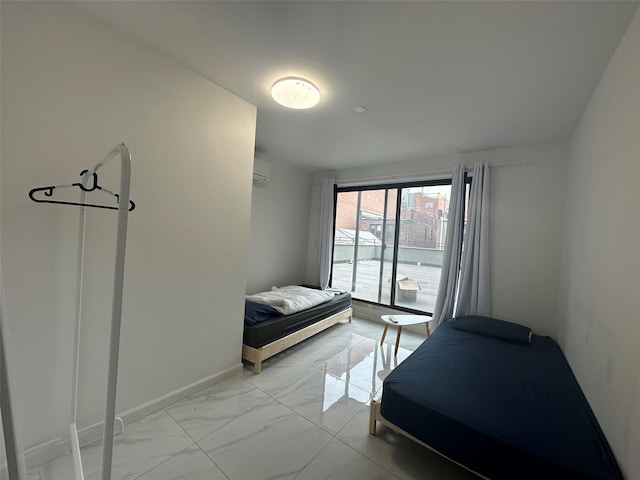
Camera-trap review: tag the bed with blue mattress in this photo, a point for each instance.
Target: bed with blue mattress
(497, 400)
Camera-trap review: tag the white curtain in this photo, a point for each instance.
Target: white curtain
(325, 244)
(474, 295)
(465, 280)
(446, 297)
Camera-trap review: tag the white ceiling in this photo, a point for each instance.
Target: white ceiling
(435, 77)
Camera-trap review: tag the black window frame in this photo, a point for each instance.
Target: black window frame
(399, 186)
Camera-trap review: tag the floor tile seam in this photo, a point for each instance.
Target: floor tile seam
(257, 387)
(323, 363)
(270, 399)
(368, 325)
(180, 425)
(166, 460)
(249, 381)
(366, 390)
(263, 391)
(366, 332)
(194, 443)
(239, 375)
(273, 395)
(372, 459)
(321, 427)
(278, 399)
(293, 355)
(351, 417)
(170, 456)
(213, 461)
(315, 456)
(331, 436)
(317, 367)
(351, 345)
(343, 346)
(305, 375)
(443, 460)
(235, 417)
(346, 424)
(358, 386)
(328, 432)
(312, 339)
(199, 393)
(325, 372)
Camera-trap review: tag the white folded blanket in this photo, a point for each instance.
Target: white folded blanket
(291, 299)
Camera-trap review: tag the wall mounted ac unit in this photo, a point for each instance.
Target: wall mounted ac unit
(261, 171)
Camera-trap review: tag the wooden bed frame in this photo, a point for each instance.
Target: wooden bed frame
(257, 355)
(376, 416)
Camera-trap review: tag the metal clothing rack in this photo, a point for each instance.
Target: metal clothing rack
(89, 183)
(9, 441)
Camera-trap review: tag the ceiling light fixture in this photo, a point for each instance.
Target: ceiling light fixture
(297, 93)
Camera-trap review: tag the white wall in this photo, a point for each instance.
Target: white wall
(279, 228)
(527, 194)
(601, 262)
(71, 89)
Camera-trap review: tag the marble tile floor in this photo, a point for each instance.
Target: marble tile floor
(305, 417)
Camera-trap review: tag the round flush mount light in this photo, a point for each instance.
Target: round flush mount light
(297, 93)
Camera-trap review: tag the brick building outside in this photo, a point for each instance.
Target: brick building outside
(422, 216)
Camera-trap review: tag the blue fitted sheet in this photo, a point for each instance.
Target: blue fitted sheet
(505, 410)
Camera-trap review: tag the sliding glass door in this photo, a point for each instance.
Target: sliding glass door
(389, 241)
(363, 247)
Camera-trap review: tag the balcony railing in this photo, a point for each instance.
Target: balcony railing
(420, 264)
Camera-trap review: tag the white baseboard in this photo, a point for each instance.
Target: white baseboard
(47, 451)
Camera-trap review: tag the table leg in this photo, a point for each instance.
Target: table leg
(428, 331)
(384, 333)
(397, 340)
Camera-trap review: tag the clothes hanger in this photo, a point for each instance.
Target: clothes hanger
(48, 192)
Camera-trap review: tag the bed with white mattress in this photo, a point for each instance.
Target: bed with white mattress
(282, 317)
